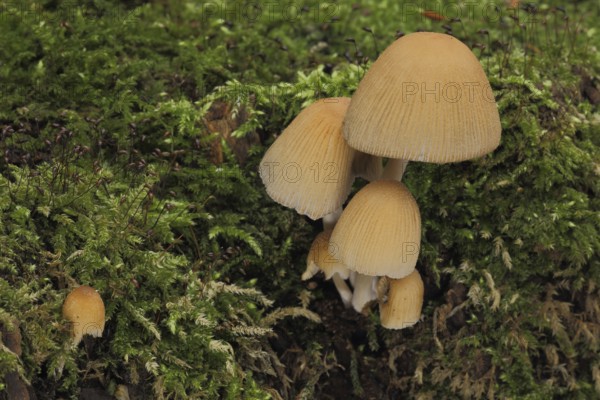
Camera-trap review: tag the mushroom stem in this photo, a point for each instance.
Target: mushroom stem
(394, 169)
(343, 289)
(331, 219)
(364, 291)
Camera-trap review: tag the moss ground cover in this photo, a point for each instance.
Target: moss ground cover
(130, 137)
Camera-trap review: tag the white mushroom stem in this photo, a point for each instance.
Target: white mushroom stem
(343, 289)
(364, 291)
(330, 220)
(394, 169)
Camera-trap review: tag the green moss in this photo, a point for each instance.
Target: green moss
(116, 172)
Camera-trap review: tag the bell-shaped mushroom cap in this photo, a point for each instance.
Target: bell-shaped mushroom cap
(322, 257)
(379, 231)
(85, 309)
(404, 302)
(309, 167)
(426, 98)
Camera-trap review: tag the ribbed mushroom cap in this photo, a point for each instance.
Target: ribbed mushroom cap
(85, 309)
(404, 302)
(322, 256)
(426, 98)
(308, 167)
(379, 231)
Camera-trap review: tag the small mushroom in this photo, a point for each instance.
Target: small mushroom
(84, 308)
(401, 307)
(321, 257)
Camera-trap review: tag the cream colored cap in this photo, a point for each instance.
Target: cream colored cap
(379, 232)
(309, 167)
(85, 309)
(426, 98)
(404, 302)
(322, 257)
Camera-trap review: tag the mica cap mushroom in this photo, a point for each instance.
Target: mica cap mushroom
(404, 302)
(84, 308)
(426, 98)
(322, 257)
(310, 167)
(379, 231)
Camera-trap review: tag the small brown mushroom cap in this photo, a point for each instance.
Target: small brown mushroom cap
(426, 98)
(404, 302)
(309, 166)
(379, 232)
(322, 257)
(84, 308)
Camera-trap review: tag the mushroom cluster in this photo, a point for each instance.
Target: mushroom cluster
(426, 98)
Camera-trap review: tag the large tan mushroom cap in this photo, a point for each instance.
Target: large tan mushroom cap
(426, 98)
(405, 300)
(322, 257)
(309, 167)
(85, 309)
(379, 232)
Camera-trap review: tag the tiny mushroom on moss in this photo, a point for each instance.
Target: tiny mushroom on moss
(84, 308)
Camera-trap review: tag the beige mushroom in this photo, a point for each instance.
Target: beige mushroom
(321, 257)
(401, 307)
(426, 98)
(379, 231)
(378, 234)
(308, 167)
(84, 308)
